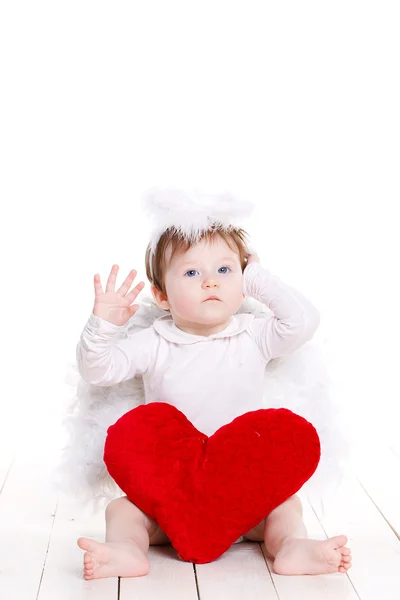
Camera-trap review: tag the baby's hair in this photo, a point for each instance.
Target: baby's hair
(235, 237)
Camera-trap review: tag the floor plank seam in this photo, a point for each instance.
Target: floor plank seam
(196, 581)
(47, 552)
(7, 474)
(396, 533)
(327, 537)
(267, 565)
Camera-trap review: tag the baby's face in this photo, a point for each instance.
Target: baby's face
(207, 269)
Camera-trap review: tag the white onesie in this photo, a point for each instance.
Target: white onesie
(211, 379)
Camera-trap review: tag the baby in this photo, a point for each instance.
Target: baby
(199, 351)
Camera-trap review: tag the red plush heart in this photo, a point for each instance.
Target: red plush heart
(205, 492)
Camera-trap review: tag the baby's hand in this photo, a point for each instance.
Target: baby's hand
(115, 307)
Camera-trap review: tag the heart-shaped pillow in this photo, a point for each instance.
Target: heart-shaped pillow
(205, 492)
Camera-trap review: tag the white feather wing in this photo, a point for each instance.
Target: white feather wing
(299, 382)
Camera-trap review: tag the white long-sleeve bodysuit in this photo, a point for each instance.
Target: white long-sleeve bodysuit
(211, 379)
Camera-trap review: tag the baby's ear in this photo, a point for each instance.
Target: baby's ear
(154, 293)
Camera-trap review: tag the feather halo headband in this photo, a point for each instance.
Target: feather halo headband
(191, 213)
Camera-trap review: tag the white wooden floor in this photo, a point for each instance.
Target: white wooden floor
(39, 558)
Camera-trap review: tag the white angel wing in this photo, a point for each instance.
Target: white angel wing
(299, 382)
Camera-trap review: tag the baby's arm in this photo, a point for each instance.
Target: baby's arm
(295, 318)
(103, 358)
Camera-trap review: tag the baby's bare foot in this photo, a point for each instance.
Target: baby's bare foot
(313, 557)
(112, 559)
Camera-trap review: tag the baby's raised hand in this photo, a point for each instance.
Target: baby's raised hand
(115, 306)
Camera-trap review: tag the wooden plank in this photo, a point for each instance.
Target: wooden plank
(375, 548)
(395, 448)
(333, 586)
(379, 474)
(6, 463)
(241, 572)
(7, 453)
(63, 574)
(168, 579)
(26, 519)
(39, 557)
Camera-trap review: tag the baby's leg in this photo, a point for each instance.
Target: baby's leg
(285, 538)
(128, 535)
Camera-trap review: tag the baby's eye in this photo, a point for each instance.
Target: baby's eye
(194, 270)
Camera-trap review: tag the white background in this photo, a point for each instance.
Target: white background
(293, 105)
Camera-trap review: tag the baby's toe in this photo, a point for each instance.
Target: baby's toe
(88, 566)
(346, 559)
(88, 573)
